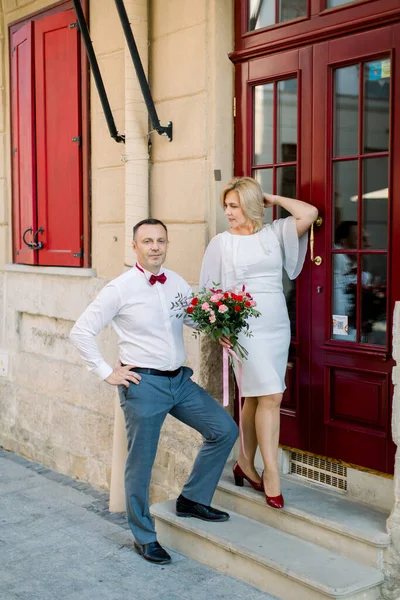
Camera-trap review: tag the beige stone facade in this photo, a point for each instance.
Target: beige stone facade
(51, 409)
(391, 589)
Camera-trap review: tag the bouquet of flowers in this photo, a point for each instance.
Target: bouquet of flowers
(219, 313)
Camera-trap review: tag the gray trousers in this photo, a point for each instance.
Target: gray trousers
(145, 407)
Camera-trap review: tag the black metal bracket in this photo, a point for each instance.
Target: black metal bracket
(130, 40)
(118, 137)
(137, 63)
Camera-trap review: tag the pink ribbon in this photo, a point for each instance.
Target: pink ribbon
(225, 384)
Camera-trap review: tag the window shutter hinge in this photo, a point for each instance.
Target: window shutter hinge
(78, 254)
(234, 107)
(77, 139)
(74, 25)
(13, 50)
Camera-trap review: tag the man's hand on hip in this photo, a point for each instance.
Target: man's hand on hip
(123, 376)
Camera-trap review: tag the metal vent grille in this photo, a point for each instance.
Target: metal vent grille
(319, 470)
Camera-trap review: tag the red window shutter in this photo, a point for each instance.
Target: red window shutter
(59, 178)
(23, 145)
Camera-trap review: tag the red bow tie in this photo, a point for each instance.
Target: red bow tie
(154, 278)
(160, 278)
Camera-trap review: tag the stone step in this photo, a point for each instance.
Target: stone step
(325, 518)
(267, 558)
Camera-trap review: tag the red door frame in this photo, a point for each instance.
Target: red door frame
(85, 118)
(251, 68)
(320, 24)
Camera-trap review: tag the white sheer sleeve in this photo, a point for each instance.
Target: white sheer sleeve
(294, 248)
(211, 274)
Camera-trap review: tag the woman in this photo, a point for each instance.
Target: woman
(252, 254)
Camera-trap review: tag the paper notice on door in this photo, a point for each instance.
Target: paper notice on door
(385, 68)
(379, 70)
(340, 324)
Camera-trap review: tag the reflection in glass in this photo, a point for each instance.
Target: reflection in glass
(289, 10)
(287, 121)
(344, 300)
(376, 105)
(333, 3)
(263, 124)
(346, 94)
(262, 13)
(345, 198)
(373, 299)
(265, 179)
(286, 181)
(375, 203)
(289, 286)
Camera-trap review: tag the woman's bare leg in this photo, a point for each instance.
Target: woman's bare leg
(267, 421)
(250, 439)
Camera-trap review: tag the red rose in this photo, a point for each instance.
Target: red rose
(218, 304)
(226, 295)
(237, 308)
(190, 309)
(237, 298)
(194, 302)
(247, 304)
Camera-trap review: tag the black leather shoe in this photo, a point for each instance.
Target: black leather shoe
(153, 552)
(188, 508)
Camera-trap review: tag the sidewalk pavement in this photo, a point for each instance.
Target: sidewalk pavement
(59, 542)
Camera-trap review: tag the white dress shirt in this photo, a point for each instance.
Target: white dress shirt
(149, 332)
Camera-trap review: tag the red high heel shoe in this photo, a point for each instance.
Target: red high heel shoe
(275, 501)
(240, 475)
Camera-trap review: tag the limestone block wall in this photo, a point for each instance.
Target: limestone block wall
(391, 589)
(51, 409)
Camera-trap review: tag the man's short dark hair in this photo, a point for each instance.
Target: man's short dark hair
(149, 222)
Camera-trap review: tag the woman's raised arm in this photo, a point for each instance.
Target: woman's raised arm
(304, 213)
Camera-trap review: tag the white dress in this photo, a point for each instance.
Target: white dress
(256, 261)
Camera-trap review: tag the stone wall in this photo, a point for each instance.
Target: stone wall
(391, 589)
(51, 409)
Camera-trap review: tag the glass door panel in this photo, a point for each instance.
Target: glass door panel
(360, 200)
(275, 141)
(263, 13)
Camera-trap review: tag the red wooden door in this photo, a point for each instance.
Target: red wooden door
(23, 146)
(59, 185)
(318, 123)
(356, 90)
(273, 144)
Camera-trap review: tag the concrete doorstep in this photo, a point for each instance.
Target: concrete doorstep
(59, 542)
(270, 559)
(325, 517)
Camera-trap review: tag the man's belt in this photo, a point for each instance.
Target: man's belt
(157, 372)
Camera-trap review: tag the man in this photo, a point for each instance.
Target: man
(152, 383)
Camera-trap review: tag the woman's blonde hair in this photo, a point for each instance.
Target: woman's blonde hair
(251, 199)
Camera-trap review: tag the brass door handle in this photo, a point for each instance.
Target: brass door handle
(317, 260)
